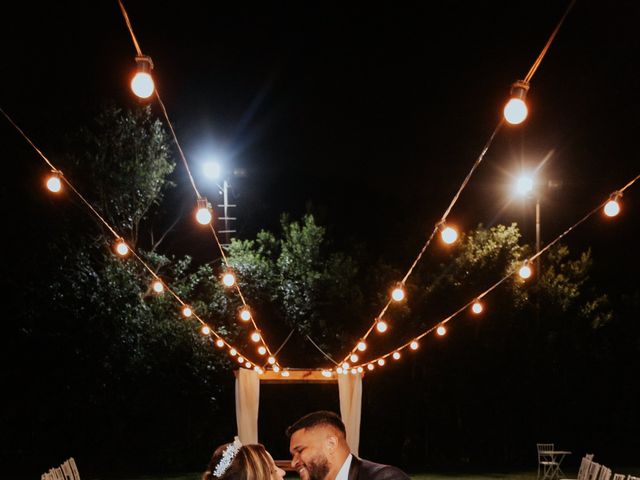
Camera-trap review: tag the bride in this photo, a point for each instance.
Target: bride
(234, 461)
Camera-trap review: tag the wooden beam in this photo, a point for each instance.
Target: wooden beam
(297, 376)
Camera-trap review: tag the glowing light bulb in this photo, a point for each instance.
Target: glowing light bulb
(203, 212)
(449, 235)
(186, 311)
(258, 370)
(525, 271)
(276, 368)
(240, 360)
(396, 355)
(255, 337)
(381, 362)
(382, 326)
(370, 366)
(441, 330)
(248, 364)
(516, 111)
(345, 366)
(157, 286)
(271, 360)
(353, 358)
(233, 352)
(353, 371)
(229, 279)
(339, 370)
(262, 350)
(285, 373)
(361, 346)
(326, 373)
(397, 294)
(524, 185)
(612, 207)
(360, 369)
(122, 248)
(206, 330)
(54, 184)
(245, 315)
(414, 345)
(477, 307)
(142, 82)
(219, 343)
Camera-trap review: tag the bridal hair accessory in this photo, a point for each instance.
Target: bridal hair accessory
(227, 457)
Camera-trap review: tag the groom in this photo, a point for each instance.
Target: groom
(318, 445)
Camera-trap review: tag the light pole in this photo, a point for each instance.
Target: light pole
(525, 185)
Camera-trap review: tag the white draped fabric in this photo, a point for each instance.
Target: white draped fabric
(247, 402)
(350, 390)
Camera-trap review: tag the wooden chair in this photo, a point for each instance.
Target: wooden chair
(67, 471)
(584, 468)
(605, 473)
(546, 464)
(594, 470)
(619, 476)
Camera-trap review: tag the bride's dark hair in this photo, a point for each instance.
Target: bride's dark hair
(252, 462)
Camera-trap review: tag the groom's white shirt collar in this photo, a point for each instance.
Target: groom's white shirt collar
(343, 474)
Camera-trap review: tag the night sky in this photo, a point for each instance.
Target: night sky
(368, 116)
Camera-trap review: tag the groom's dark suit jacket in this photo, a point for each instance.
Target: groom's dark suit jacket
(366, 470)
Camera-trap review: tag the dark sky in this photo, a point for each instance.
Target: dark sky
(373, 114)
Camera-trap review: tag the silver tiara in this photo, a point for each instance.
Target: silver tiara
(227, 457)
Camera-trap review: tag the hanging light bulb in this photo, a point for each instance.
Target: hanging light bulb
(414, 345)
(477, 307)
(515, 111)
(229, 279)
(326, 373)
(398, 293)
(525, 271)
(258, 370)
(612, 207)
(142, 82)
(448, 234)
(262, 350)
(353, 371)
(361, 346)
(285, 373)
(271, 360)
(206, 330)
(360, 369)
(353, 358)
(54, 183)
(203, 212)
(441, 330)
(276, 368)
(158, 286)
(382, 326)
(255, 337)
(245, 314)
(248, 364)
(370, 366)
(122, 248)
(396, 355)
(339, 370)
(233, 352)
(186, 311)
(345, 366)
(240, 360)
(381, 362)
(219, 343)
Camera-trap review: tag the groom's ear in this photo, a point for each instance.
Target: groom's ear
(331, 443)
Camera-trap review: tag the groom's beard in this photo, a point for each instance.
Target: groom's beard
(318, 468)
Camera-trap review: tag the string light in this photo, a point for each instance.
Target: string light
(255, 337)
(362, 346)
(233, 352)
(258, 370)
(203, 212)
(398, 293)
(187, 312)
(381, 362)
(448, 234)
(525, 271)
(285, 373)
(370, 366)
(477, 307)
(54, 183)
(158, 286)
(414, 345)
(612, 207)
(345, 366)
(220, 343)
(276, 368)
(359, 369)
(271, 360)
(206, 330)
(240, 360)
(229, 279)
(396, 355)
(382, 326)
(245, 314)
(248, 364)
(326, 373)
(515, 111)
(441, 330)
(339, 370)
(262, 350)
(122, 248)
(354, 358)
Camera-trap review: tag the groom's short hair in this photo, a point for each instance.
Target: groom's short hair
(315, 419)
